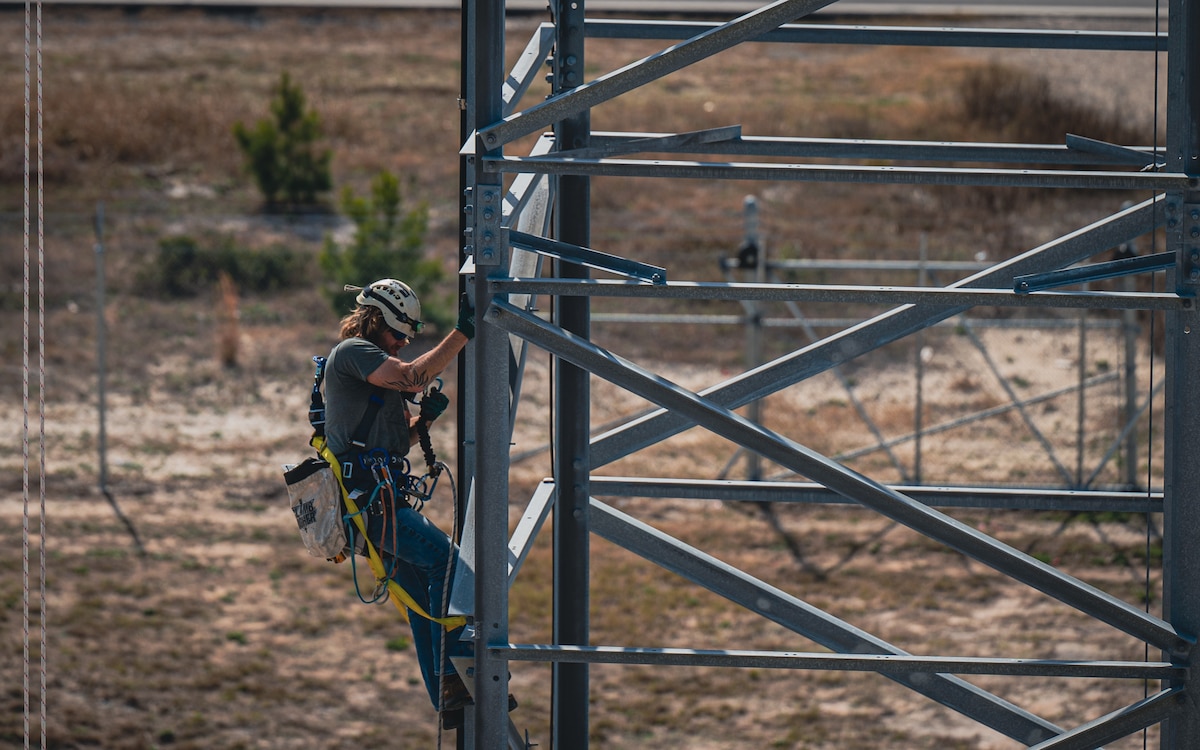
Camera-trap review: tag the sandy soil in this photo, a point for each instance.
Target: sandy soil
(227, 635)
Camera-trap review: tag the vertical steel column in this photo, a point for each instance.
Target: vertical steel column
(492, 395)
(572, 408)
(465, 419)
(465, 412)
(1181, 501)
(1129, 412)
(919, 362)
(754, 326)
(1081, 398)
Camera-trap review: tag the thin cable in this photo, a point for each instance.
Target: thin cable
(25, 408)
(41, 219)
(41, 370)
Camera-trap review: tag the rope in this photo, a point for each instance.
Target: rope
(25, 399)
(446, 591)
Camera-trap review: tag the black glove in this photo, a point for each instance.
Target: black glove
(466, 318)
(432, 406)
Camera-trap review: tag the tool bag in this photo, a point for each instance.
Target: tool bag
(315, 488)
(316, 498)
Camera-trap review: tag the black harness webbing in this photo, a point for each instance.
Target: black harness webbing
(316, 409)
(359, 437)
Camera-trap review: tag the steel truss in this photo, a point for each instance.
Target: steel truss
(511, 200)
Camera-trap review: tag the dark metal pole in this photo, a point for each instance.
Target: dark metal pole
(1129, 411)
(1181, 489)
(465, 403)
(754, 327)
(102, 380)
(465, 419)
(572, 409)
(919, 360)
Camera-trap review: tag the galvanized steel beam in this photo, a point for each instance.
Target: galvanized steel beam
(528, 65)
(605, 143)
(872, 175)
(1181, 460)
(878, 331)
(586, 95)
(942, 36)
(491, 396)
(870, 295)
(853, 485)
(570, 683)
(1122, 723)
(995, 498)
(584, 256)
(821, 627)
(887, 664)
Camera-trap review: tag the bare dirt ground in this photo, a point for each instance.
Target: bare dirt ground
(225, 634)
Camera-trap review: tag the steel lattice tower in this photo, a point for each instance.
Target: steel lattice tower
(519, 208)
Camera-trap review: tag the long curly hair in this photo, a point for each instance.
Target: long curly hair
(365, 322)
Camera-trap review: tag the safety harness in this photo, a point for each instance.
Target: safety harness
(420, 489)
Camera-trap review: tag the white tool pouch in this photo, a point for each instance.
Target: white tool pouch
(316, 501)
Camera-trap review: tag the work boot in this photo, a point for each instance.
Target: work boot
(455, 698)
(452, 718)
(454, 693)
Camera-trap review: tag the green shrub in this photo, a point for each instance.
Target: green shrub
(1021, 106)
(184, 267)
(388, 243)
(282, 154)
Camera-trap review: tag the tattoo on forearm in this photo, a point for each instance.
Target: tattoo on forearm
(417, 380)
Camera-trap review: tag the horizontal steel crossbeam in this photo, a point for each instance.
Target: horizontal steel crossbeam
(940, 497)
(879, 295)
(844, 173)
(881, 663)
(606, 143)
(1133, 41)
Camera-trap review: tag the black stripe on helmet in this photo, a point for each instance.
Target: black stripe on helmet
(404, 318)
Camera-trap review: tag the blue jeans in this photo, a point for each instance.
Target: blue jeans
(418, 554)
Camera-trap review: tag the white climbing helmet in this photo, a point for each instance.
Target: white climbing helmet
(399, 303)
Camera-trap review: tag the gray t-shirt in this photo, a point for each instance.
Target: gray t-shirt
(346, 396)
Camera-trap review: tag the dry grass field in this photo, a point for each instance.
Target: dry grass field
(225, 634)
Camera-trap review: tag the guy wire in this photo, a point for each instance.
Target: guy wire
(25, 398)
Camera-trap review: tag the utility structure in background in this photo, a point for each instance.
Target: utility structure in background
(522, 208)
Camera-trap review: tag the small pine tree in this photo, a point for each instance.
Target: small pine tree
(388, 243)
(282, 153)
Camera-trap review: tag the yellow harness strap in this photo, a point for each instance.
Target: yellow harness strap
(402, 598)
